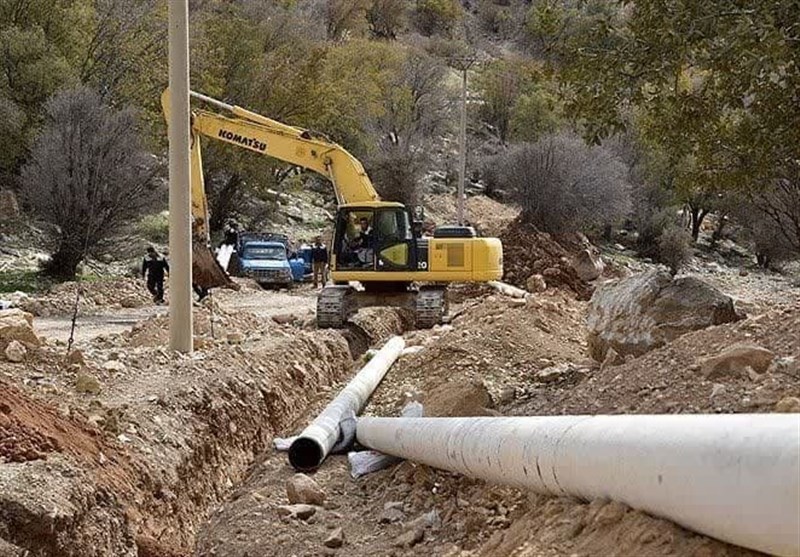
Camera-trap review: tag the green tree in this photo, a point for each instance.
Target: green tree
(515, 99)
(716, 83)
(387, 18)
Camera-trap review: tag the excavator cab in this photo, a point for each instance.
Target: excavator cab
(374, 238)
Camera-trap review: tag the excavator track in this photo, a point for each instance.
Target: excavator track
(334, 306)
(431, 306)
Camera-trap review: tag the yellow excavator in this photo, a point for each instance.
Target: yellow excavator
(378, 256)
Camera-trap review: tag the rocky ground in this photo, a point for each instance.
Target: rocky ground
(121, 447)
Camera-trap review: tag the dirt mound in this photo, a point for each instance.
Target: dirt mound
(211, 321)
(95, 296)
(527, 251)
(495, 340)
(458, 399)
(670, 379)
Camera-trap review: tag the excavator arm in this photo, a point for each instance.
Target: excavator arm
(296, 146)
(265, 136)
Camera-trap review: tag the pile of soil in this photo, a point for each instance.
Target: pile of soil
(167, 434)
(528, 251)
(498, 341)
(669, 379)
(95, 296)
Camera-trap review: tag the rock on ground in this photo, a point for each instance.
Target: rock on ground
(637, 314)
(302, 489)
(735, 361)
(536, 284)
(588, 265)
(16, 324)
(15, 351)
(301, 512)
(86, 383)
(336, 539)
(458, 399)
(788, 405)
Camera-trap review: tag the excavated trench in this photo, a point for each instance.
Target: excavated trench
(90, 499)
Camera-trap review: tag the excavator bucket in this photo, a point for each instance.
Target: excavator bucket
(206, 270)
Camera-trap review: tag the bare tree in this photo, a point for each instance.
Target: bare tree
(415, 114)
(562, 184)
(87, 175)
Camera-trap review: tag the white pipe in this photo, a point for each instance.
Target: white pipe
(180, 228)
(315, 442)
(733, 477)
(507, 289)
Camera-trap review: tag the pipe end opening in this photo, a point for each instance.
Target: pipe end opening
(305, 455)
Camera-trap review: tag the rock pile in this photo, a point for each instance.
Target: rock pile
(94, 296)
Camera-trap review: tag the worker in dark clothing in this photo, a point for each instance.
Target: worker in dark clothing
(319, 261)
(231, 234)
(153, 268)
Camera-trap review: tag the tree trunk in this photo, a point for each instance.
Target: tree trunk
(698, 215)
(717, 235)
(63, 264)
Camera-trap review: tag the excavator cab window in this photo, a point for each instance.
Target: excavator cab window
(374, 239)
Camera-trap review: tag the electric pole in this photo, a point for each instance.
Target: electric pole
(180, 225)
(462, 64)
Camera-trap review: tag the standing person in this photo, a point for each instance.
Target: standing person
(319, 261)
(154, 267)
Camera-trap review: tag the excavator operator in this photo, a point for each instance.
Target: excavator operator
(361, 245)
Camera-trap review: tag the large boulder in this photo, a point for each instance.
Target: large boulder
(637, 314)
(16, 324)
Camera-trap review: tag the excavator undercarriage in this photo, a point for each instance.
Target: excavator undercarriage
(337, 303)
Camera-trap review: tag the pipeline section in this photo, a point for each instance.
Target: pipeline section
(732, 477)
(508, 289)
(312, 446)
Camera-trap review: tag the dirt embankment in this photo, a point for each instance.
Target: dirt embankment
(126, 446)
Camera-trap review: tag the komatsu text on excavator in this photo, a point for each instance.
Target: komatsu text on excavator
(378, 258)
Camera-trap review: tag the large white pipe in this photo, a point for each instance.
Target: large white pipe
(180, 227)
(315, 442)
(733, 477)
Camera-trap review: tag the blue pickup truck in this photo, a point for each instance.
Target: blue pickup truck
(265, 259)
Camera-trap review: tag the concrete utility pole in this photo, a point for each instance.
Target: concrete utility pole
(463, 64)
(180, 225)
(462, 148)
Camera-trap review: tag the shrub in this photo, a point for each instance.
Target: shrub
(386, 18)
(437, 16)
(674, 247)
(154, 228)
(562, 184)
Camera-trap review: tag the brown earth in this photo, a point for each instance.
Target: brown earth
(168, 435)
(490, 217)
(527, 251)
(497, 346)
(189, 429)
